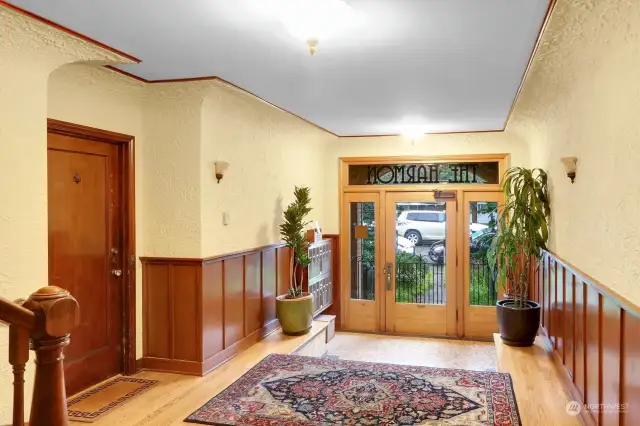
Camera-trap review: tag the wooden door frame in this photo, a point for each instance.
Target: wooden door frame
(127, 160)
(503, 160)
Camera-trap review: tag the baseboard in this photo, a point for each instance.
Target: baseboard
(567, 381)
(220, 358)
(200, 368)
(177, 366)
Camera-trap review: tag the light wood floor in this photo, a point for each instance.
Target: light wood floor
(441, 353)
(540, 399)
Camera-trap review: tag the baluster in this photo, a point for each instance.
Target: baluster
(18, 357)
(57, 314)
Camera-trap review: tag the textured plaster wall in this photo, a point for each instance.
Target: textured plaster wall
(270, 152)
(428, 145)
(172, 128)
(582, 99)
(29, 52)
(94, 96)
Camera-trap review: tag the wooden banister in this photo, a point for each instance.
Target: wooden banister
(12, 313)
(45, 319)
(18, 357)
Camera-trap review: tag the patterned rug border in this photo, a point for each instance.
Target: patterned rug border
(226, 390)
(87, 417)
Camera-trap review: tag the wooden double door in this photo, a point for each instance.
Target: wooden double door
(416, 262)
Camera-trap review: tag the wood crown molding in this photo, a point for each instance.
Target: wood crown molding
(543, 26)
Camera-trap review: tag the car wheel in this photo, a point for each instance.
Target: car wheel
(414, 237)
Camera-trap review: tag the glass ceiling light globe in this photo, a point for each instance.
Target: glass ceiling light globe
(313, 20)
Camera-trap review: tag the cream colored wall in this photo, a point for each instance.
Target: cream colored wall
(29, 52)
(582, 98)
(270, 152)
(93, 96)
(172, 126)
(428, 145)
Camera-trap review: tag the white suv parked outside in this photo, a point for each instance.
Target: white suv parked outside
(420, 225)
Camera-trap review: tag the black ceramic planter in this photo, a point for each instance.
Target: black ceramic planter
(518, 327)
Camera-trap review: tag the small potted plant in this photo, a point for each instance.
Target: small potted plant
(523, 232)
(295, 309)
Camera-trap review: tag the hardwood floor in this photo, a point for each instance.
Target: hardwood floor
(441, 353)
(538, 386)
(538, 390)
(177, 396)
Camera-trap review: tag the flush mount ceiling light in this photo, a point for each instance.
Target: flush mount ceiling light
(311, 21)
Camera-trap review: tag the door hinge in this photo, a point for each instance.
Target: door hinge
(456, 314)
(456, 260)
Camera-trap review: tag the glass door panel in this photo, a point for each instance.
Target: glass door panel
(419, 264)
(361, 264)
(480, 281)
(362, 243)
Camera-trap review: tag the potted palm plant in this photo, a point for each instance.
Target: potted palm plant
(522, 235)
(295, 309)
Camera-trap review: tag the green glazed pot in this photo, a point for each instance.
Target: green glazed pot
(295, 315)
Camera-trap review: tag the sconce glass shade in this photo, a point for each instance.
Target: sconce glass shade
(570, 164)
(220, 168)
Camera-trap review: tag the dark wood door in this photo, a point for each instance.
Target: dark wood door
(85, 252)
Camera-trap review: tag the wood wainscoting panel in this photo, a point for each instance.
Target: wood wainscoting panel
(269, 285)
(553, 308)
(592, 361)
(198, 313)
(185, 301)
(252, 293)
(580, 358)
(156, 341)
(544, 297)
(569, 323)
(560, 310)
(630, 374)
(282, 270)
(233, 300)
(610, 354)
(212, 309)
(595, 333)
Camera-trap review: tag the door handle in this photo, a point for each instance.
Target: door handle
(116, 272)
(389, 274)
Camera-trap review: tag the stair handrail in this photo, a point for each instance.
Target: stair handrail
(14, 314)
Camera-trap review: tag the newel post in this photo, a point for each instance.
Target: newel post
(57, 313)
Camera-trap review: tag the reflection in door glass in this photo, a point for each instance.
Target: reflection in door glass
(362, 250)
(421, 253)
(483, 288)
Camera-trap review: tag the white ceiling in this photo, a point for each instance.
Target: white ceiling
(436, 65)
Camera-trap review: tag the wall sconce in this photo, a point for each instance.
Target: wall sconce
(570, 167)
(220, 168)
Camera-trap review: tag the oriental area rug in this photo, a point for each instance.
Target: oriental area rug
(294, 390)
